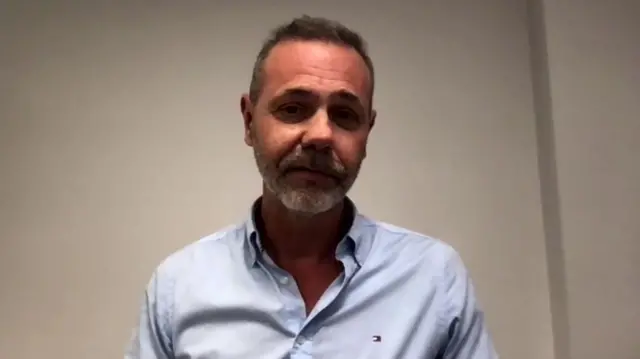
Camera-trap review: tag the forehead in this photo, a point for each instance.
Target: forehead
(318, 66)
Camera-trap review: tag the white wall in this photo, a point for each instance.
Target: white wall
(121, 141)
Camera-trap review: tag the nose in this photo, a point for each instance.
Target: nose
(319, 132)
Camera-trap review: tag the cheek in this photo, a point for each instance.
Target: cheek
(350, 153)
(275, 141)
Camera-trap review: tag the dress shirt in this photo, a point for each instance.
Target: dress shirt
(401, 295)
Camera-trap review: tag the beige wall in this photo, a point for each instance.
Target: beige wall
(594, 117)
(121, 141)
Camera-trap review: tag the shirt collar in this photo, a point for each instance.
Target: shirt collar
(356, 242)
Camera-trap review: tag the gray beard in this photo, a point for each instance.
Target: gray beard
(305, 201)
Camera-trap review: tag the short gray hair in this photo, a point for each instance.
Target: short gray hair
(308, 28)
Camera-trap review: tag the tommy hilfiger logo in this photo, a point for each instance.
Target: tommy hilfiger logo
(376, 339)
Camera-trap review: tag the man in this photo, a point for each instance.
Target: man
(306, 276)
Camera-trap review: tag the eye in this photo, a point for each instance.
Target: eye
(291, 109)
(345, 117)
(292, 112)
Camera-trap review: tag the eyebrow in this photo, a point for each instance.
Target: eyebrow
(342, 95)
(345, 96)
(349, 97)
(296, 92)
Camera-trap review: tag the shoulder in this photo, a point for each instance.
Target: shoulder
(432, 258)
(211, 249)
(391, 238)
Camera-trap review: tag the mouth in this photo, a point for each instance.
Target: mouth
(311, 174)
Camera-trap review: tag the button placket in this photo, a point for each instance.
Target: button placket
(294, 305)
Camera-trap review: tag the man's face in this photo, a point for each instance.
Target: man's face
(310, 125)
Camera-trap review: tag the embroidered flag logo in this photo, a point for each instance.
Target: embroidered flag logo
(376, 339)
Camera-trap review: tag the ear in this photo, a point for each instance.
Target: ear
(372, 122)
(374, 113)
(246, 107)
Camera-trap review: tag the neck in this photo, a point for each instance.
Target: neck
(292, 237)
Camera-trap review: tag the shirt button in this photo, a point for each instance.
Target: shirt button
(284, 280)
(303, 339)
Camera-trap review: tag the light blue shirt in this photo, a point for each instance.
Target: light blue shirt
(402, 295)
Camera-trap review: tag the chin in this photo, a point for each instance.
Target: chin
(310, 203)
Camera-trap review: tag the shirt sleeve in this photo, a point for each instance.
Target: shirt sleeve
(151, 336)
(467, 331)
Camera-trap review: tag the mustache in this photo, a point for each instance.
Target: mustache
(313, 161)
